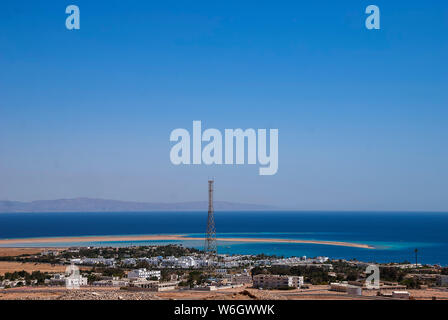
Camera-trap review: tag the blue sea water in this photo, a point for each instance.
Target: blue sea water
(394, 235)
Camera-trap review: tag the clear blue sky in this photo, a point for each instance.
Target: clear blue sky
(362, 115)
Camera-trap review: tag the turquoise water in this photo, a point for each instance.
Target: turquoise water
(394, 235)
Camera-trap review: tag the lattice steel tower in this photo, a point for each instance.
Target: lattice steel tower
(210, 237)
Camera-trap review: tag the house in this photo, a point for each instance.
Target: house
(111, 283)
(49, 253)
(75, 281)
(57, 280)
(221, 271)
(268, 281)
(155, 285)
(164, 286)
(144, 274)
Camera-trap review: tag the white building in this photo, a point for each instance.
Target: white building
(99, 260)
(144, 274)
(76, 261)
(129, 261)
(303, 261)
(49, 253)
(221, 271)
(401, 295)
(57, 279)
(339, 286)
(152, 261)
(72, 281)
(186, 262)
(75, 281)
(111, 283)
(269, 281)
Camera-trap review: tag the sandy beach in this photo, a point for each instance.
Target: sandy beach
(65, 240)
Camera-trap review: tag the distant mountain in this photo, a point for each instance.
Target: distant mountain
(102, 205)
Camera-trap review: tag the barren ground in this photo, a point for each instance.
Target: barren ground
(102, 293)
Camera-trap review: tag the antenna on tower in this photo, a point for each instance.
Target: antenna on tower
(210, 249)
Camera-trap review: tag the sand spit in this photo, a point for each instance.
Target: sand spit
(65, 240)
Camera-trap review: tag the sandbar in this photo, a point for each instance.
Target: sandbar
(65, 240)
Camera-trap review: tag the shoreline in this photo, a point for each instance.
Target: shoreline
(80, 239)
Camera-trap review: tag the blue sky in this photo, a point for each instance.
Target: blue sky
(362, 115)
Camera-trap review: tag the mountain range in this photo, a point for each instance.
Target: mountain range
(103, 205)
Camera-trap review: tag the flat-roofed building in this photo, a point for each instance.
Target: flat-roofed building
(73, 282)
(144, 274)
(269, 281)
(111, 283)
(155, 285)
(339, 286)
(241, 278)
(164, 286)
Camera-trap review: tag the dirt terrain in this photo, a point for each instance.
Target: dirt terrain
(10, 266)
(245, 293)
(13, 252)
(7, 266)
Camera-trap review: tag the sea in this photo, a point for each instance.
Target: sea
(395, 235)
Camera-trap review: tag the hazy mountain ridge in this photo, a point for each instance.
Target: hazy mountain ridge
(103, 205)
